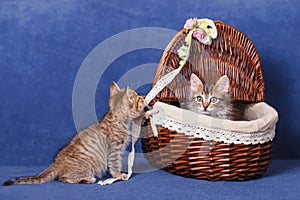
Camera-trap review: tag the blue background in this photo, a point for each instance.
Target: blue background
(43, 44)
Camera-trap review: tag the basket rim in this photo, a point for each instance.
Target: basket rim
(259, 129)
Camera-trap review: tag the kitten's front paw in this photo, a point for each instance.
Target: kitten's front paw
(124, 176)
(107, 181)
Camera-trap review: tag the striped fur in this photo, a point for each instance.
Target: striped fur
(211, 98)
(97, 148)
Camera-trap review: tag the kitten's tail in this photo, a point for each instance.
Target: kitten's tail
(46, 176)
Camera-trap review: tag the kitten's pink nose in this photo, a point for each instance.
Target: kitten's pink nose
(205, 105)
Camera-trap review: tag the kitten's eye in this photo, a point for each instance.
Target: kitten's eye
(213, 99)
(199, 98)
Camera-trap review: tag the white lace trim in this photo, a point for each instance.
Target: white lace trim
(260, 129)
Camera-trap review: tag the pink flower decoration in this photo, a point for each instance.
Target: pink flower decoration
(190, 23)
(199, 34)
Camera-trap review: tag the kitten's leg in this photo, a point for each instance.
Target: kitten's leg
(108, 181)
(115, 164)
(69, 180)
(75, 176)
(89, 180)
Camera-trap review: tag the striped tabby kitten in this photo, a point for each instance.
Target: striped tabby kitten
(211, 99)
(97, 147)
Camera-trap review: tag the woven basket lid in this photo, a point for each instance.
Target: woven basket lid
(231, 53)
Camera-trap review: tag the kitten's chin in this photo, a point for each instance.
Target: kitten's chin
(206, 113)
(137, 116)
(202, 112)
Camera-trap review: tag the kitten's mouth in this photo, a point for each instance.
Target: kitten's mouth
(205, 112)
(138, 115)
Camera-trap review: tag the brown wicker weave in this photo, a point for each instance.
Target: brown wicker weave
(234, 55)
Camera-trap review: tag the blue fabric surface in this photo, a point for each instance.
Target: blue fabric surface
(281, 181)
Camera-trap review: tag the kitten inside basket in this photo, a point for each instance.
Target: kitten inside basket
(213, 98)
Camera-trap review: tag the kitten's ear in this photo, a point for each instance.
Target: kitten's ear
(129, 96)
(223, 84)
(114, 88)
(127, 91)
(196, 83)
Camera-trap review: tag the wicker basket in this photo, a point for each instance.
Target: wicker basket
(234, 55)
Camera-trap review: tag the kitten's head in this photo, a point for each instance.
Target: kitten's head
(212, 98)
(126, 102)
